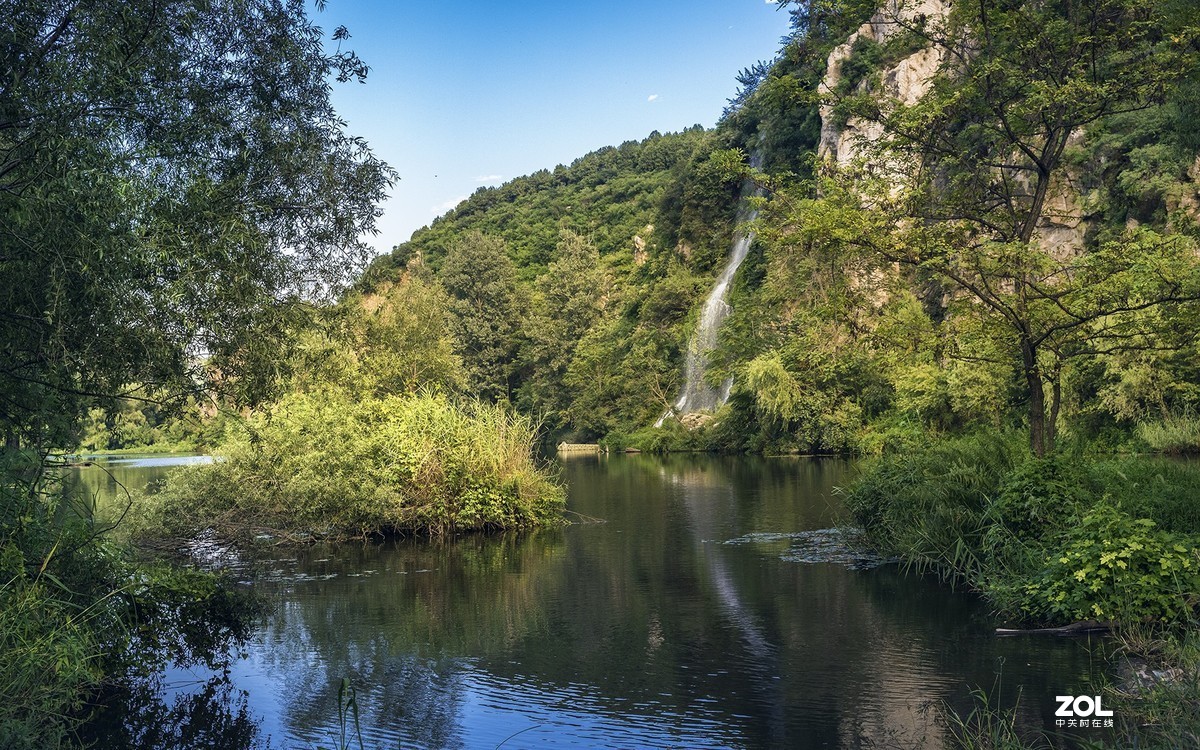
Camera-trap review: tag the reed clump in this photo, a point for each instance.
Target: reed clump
(1176, 435)
(329, 465)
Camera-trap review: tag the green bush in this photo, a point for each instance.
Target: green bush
(1039, 496)
(1113, 566)
(328, 465)
(1056, 540)
(865, 58)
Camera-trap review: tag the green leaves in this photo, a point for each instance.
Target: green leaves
(174, 181)
(486, 305)
(402, 463)
(970, 186)
(1114, 566)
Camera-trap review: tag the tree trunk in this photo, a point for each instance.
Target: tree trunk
(1037, 399)
(1055, 400)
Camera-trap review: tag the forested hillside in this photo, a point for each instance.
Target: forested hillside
(571, 289)
(574, 291)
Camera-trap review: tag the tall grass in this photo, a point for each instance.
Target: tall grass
(987, 726)
(1177, 435)
(49, 658)
(1164, 490)
(928, 506)
(330, 465)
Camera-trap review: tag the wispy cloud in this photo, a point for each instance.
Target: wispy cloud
(652, 97)
(489, 178)
(442, 208)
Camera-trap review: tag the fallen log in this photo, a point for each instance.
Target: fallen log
(1075, 628)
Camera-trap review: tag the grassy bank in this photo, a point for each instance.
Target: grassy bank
(328, 465)
(1050, 540)
(1178, 435)
(1058, 540)
(80, 613)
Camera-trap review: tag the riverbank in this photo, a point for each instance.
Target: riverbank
(81, 613)
(1054, 541)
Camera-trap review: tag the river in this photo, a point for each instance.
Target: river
(696, 601)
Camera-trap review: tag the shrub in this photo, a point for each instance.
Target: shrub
(1039, 496)
(1116, 567)
(77, 613)
(49, 657)
(327, 465)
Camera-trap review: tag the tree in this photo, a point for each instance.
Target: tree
(485, 301)
(394, 340)
(569, 299)
(974, 164)
(175, 187)
(174, 184)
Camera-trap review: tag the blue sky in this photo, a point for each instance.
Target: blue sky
(464, 94)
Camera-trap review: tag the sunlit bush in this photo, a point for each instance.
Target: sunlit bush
(327, 465)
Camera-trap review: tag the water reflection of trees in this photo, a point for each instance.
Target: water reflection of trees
(649, 619)
(140, 715)
(397, 619)
(852, 657)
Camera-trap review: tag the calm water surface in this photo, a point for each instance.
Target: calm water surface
(703, 611)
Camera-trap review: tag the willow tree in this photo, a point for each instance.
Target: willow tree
(961, 180)
(174, 184)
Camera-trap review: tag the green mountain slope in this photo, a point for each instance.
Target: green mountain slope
(604, 262)
(574, 292)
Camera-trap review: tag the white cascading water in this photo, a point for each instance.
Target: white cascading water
(697, 395)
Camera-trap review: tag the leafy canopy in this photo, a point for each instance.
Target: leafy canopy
(174, 181)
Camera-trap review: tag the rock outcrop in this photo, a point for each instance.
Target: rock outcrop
(906, 80)
(1064, 223)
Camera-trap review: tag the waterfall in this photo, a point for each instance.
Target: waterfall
(697, 394)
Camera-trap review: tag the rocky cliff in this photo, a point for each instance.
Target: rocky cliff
(904, 81)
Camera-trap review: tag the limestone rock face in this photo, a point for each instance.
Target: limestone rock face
(1064, 223)
(695, 420)
(1061, 230)
(1188, 197)
(907, 80)
(639, 250)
